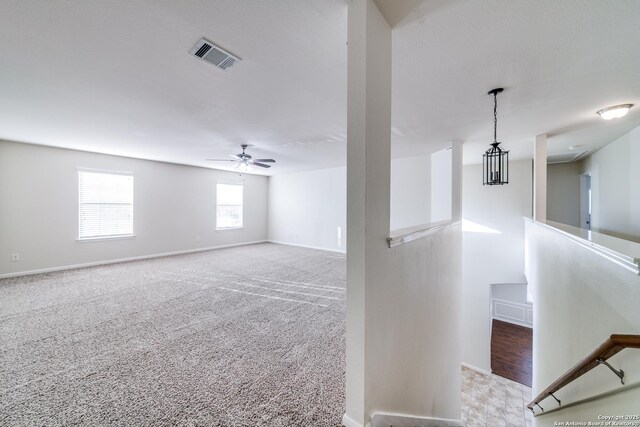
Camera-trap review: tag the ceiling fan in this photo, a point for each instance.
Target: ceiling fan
(244, 161)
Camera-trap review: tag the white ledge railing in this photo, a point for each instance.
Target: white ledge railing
(622, 252)
(405, 235)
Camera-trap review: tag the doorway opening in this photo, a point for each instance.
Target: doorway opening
(585, 201)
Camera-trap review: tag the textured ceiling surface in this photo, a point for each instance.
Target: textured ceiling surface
(559, 62)
(116, 77)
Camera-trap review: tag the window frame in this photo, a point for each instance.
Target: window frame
(241, 226)
(110, 236)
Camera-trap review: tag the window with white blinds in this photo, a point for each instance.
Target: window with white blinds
(228, 206)
(106, 204)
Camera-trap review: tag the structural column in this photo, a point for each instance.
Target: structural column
(456, 181)
(540, 178)
(368, 184)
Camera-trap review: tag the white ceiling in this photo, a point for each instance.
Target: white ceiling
(116, 77)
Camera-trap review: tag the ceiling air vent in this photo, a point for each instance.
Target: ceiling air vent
(217, 56)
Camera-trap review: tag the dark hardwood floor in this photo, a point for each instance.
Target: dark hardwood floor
(511, 351)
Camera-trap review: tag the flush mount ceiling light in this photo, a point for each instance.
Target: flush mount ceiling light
(495, 162)
(615, 112)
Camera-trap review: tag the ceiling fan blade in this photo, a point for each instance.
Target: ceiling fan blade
(235, 156)
(262, 165)
(265, 160)
(220, 160)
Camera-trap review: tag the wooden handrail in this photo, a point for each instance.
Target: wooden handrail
(609, 348)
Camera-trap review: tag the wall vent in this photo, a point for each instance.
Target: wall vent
(213, 54)
(569, 157)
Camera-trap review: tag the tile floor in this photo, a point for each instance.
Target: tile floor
(492, 401)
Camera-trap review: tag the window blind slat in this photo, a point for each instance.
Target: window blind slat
(105, 204)
(229, 201)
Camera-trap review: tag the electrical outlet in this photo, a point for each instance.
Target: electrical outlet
(15, 257)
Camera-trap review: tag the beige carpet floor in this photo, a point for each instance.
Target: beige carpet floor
(246, 336)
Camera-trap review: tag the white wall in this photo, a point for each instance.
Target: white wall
(174, 208)
(441, 185)
(615, 175)
(515, 292)
(580, 299)
(410, 201)
(306, 208)
(402, 347)
(413, 345)
(563, 193)
(493, 253)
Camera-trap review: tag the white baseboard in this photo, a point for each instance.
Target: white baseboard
(384, 419)
(318, 248)
(115, 261)
(475, 368)
(347, 421)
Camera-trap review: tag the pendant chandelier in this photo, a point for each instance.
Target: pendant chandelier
(495, 162)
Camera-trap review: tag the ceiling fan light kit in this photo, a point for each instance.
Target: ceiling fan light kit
(495, 161)
(615, 111)
(243, 167)
(245, 162)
